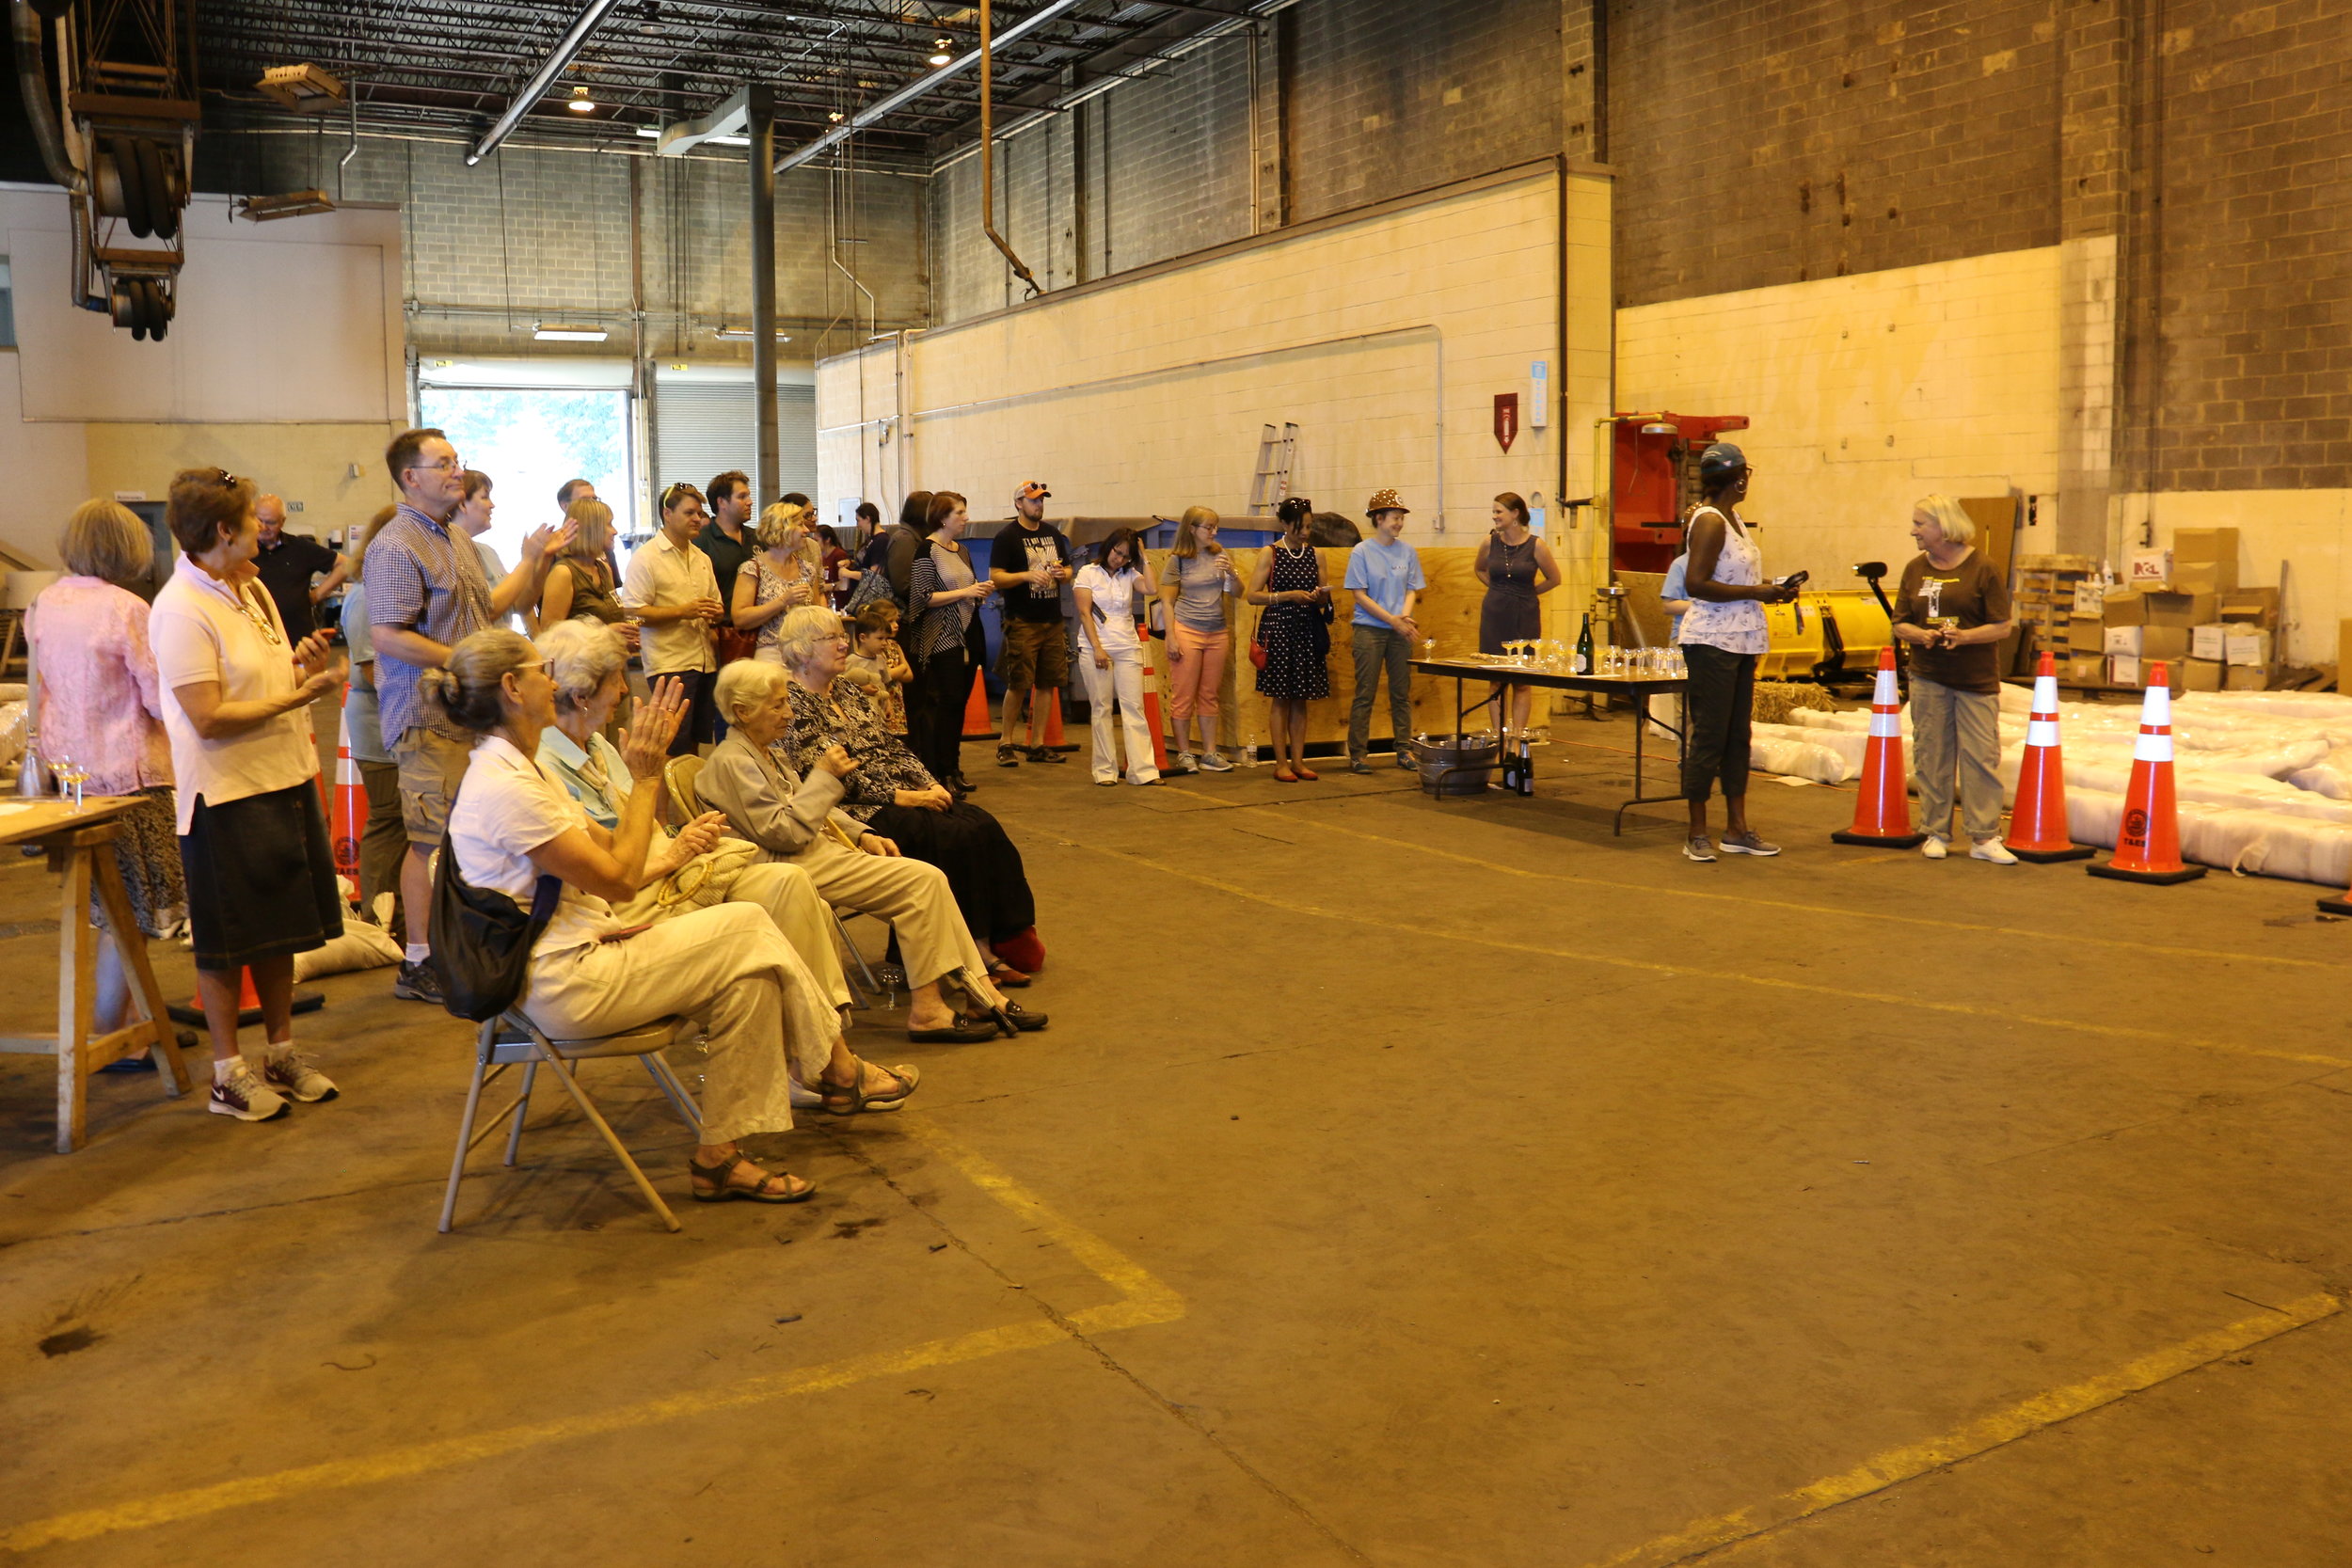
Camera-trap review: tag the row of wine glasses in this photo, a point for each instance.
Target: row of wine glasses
(70, 776)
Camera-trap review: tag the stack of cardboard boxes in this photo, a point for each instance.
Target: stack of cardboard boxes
(2058, 611)
(2184, 606)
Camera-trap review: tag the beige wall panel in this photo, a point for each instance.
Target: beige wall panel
(1148, 395)
(1867, 392)
(305, 463)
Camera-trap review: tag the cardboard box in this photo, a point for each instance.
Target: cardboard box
(2086, 599)
(2257, 604)
(2122, 642)
(2086, 637)
(2205, 546)
(2182, 610)
(2247, 677)
(2249, 645)
(2210, 640)
(2126, 608)
(2204, 577)
(2201, 674)
(2124, 670)
(2146, 569)
(2164, 643)
(2084, 669)
(2343, 649)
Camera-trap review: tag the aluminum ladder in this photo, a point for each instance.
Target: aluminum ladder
(1271, 483)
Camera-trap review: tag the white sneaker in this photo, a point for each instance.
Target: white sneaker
(244, 1096)
(1183, 763)
(1935, 848)
(1992, 849)
(1212, 762)
(291, 1072)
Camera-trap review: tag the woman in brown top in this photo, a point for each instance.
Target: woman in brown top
(1953, 610)
(580, 586)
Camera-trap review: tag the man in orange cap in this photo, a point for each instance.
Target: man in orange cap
(1029, 562)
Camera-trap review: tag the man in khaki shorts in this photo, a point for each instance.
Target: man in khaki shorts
(426, 592)
(1029, 562)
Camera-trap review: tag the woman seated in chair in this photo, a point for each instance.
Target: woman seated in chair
(794, 816)
(591, 974)
(588, 663)
(893, 794)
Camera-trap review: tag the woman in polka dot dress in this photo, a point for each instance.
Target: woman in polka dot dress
(1294, 633)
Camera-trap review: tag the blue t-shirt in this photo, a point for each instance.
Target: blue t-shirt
(1383, 574)
(1676, 586)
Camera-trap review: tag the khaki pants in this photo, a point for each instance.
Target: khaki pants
(1957, 732)
(728, 969)
(792, 903)
(912, 896)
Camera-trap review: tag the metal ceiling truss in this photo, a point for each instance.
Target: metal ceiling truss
(460, 67)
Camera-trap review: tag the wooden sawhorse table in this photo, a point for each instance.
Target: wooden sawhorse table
(81, 850)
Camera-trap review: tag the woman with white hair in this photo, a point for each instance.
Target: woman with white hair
(593, 974)
(1953, 610)
(785, 574)
(589, 667)
(792, 811)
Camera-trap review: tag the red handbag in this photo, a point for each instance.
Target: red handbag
(1257, 653)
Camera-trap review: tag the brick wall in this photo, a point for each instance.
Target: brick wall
(1761, 144)
(2252, 250)
(532, 232)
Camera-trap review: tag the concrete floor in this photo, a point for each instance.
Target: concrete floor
(1401, 1182)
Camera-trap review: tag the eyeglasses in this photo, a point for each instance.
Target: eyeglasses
(446, 466)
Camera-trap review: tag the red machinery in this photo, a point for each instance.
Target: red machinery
(1654, 481)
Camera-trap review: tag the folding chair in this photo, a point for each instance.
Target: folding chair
(511, 1039)
(680, 774)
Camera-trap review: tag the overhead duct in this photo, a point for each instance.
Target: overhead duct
(988, 161)
(566, 50)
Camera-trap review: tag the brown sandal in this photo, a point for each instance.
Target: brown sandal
(723, 1191)
(853, 1097)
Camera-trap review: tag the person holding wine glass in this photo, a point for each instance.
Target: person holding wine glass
(1200, 576)
(785, 574)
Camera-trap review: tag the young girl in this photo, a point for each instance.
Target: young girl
(878, 664)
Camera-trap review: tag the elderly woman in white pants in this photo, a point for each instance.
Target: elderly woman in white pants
(727, 967)
(589, 665)
(1109, 592)
(749, 778)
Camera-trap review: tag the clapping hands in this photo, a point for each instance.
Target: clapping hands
(645, 745)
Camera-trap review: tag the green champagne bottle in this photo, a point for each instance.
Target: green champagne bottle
(1584, 646)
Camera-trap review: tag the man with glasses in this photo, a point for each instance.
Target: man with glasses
(426, 592)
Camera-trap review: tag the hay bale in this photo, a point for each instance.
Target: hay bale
(1777, 700)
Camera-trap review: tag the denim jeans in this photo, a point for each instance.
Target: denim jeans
(1376, 648)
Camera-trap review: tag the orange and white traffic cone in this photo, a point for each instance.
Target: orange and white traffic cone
(1151, 705)
(977, 722)
(347, 820)
(2038, 828)
(248, 1003)
(2148, 844)
(1052, 721)
(1882, 813)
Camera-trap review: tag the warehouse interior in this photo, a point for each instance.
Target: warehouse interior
(1414, 1172)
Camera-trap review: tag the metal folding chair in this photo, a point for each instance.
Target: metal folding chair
(512, 1039)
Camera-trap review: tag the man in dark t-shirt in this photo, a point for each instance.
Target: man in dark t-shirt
(287, 563)
(1029, 562)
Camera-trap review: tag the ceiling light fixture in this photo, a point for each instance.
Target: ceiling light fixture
(566, 332)
(581, 102)
(304, 88)
(943, 51)
(741, 335)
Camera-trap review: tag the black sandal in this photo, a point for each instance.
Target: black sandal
(965, 1030)
(725, 1191)
(854, 1097)
(1021, 1017)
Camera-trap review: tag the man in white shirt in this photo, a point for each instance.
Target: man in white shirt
(670, 587)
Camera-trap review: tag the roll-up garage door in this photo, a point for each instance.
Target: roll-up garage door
(703, 428)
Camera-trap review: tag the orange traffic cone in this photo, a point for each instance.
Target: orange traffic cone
(1151, 705)
(2148, 844)
(1052, 721)
(1882, 813)
(348, 818)
(977, 720)
(248, 1003)
(2038, 828)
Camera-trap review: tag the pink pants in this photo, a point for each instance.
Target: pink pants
(1193, 680)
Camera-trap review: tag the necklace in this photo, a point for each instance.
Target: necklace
(260, 617)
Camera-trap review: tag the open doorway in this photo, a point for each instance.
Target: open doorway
(529, 440)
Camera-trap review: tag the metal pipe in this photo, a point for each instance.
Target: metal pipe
(32, 82)
(988, 163)
(534, 89)
(919, 87)
(760, 108)
(353, 150)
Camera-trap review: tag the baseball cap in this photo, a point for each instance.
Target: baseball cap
(1719, 462)
(1384, 500)
(1034, 490)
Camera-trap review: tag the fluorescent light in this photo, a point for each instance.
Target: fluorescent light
(742, 334)
(653, 132)
(565, 332)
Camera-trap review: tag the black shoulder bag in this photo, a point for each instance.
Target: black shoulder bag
(482, 940)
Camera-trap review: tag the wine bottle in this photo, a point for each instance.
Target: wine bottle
(1584, 646)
